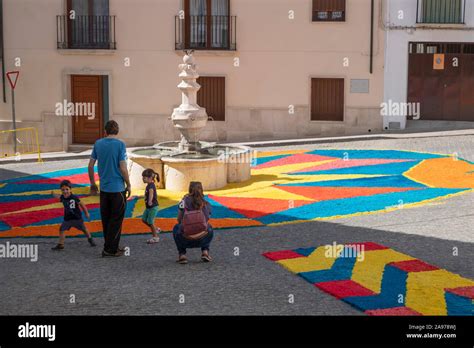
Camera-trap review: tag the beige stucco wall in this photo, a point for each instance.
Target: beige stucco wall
(278, 56)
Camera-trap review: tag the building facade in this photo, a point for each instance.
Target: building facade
(429, 59)
(270, 69)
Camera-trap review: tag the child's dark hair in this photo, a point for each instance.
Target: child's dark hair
(150, 173)
(66, 183)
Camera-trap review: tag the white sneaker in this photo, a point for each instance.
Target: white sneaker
(153, 240)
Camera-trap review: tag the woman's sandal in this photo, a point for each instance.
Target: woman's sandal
(182, 260)
(206, 258)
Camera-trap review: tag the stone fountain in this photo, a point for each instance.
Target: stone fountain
(179, 163)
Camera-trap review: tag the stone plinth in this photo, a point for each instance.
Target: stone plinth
(180, 172)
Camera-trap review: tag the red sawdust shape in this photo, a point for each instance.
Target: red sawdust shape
(21, 205)
(466, 291)
(257, 207)
(344, 288)
(328, 193)
(396, 311)
(369, 246)
(282, 255)
(74, 179)
(301, 158)
(414, 266)
(31, 217)
(22, 219)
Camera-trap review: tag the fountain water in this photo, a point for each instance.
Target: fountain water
(179, 163)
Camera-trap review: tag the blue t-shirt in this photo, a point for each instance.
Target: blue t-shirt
(109, 152)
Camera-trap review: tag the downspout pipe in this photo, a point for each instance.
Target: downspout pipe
(371, 67)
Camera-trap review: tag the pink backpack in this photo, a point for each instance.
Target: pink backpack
(194, 222)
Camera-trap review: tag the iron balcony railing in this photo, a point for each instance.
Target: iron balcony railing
(441, 11)
(206, 33)
(86, 32)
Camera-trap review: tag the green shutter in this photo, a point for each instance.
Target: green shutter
(442, 11)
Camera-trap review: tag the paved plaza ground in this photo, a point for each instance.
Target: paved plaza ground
(149, 282)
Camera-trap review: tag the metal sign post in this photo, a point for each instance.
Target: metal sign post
(13, 78)
(2, 52)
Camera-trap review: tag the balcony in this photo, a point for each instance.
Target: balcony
(86, 32)
(206, 33)
(441, 11)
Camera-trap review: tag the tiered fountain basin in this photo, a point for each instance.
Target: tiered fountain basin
(213, 165)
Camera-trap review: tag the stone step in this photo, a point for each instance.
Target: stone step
(78, 148)
(430, 125)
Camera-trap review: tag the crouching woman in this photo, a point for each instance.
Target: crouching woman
(193, 229)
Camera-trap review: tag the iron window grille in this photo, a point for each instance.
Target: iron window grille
(86, 32)
(329, 10)
(441, 11)
(206, 32)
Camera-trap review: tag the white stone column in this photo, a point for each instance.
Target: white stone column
(189, 118)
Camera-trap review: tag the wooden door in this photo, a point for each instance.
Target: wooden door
(444, 94)
(87, 94)
(451, 86)
(426, 86)
(327, 99)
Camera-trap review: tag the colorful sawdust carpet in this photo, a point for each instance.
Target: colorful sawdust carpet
(286, 187)
(382, 282)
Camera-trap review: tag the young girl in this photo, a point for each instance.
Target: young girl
(72, 214)
(151, 203)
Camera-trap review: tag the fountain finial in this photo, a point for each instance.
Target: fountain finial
(188, 57)
(189, 118)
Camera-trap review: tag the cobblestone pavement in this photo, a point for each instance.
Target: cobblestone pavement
(149, 282)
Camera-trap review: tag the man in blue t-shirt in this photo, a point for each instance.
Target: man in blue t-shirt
(111, 154)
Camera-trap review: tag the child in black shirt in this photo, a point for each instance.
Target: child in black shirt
(72, 214)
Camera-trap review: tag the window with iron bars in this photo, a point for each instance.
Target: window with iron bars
(441, 48)
(329, 10)
(441, 11)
